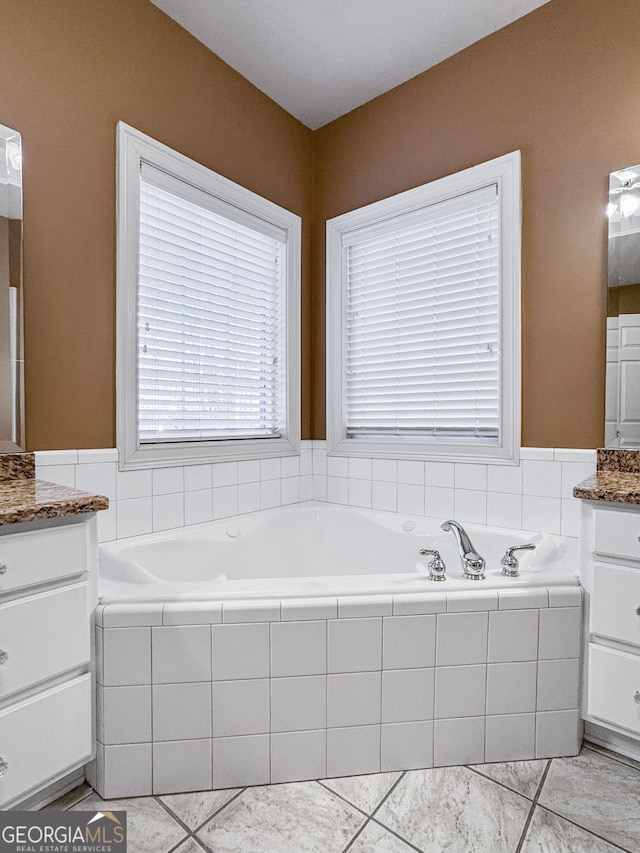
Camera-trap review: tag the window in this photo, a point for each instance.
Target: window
(208, 296)
(423, 319)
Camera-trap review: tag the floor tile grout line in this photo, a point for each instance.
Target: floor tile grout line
(221, 809)
(396, 834)
(344, 799)
(534, 804)
(171, 814)
(357, 835)
(389, 792)
(180, 843)
(495, 781)
(203, 844)
(382, 802)
(584, 829)
(543, 779)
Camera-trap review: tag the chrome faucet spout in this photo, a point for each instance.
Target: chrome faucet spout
(472, 563)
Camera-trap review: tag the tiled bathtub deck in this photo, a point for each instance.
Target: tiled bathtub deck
(588, 804)
(284, 692)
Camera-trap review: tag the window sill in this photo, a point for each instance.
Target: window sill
(165, 456)
(438, 451)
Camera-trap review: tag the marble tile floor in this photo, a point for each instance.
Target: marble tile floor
(588, 804)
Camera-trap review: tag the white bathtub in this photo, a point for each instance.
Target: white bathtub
(317, 550)
(308, 641)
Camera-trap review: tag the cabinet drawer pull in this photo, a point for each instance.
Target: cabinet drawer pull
(636, 697)
(3, 568)
(638, 610)
(4, 766)
(4, 657)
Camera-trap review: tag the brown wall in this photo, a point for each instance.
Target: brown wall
(562, 85)
(71, 69)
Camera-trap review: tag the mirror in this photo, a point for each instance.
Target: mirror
(622, 427)
(11, 344)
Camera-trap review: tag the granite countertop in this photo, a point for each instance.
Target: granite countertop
(23, 498)
(616, 480)
(610, 486)
(32, 500)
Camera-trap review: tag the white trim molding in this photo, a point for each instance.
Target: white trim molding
(504, 173)
(135, 148)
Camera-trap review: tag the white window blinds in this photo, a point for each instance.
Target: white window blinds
(422, 323)
(210, 316)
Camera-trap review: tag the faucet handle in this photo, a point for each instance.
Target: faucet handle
(509, 563)
(436, 566)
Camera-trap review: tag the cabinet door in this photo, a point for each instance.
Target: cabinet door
(614, 687)
(617, 532)
(44, 736)
(615, 603)
(38, 556)
(43, 635)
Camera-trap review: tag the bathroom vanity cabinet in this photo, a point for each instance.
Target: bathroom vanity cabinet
(48, 592)
(611, 577)
(45, 653)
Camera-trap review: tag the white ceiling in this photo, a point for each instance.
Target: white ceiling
(319, 59)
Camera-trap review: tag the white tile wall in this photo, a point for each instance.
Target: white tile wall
(407, 695)
(534, 495)
(302, 753)
(298, 704)
(181, 711)
(125, 770)
(298, 648)
(510, 737)
(127, 712)
(181, 766)
(406, 746)
(354, 645)
(458, 741)
(239, 761)
(511, 688)
(240, 707)
(352, 751)
(166, 498)
(280, 699)
(353, 699)
(181, 654)
(409, 642)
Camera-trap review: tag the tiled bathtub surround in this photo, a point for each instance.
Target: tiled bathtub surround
(214, 695)
(536, 495)
(163, 498)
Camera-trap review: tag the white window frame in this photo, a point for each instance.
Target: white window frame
(135, 147)
(505, 172)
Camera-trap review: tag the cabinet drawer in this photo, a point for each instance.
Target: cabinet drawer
(43, 635)
(616, 533)
(615, 603)
(37, 556)
(43, 736)
(614, 687)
